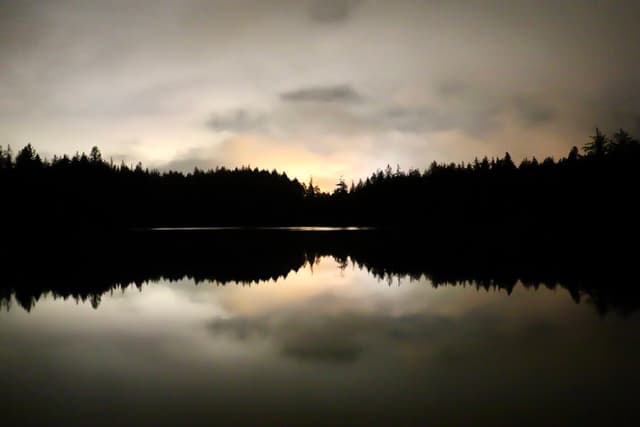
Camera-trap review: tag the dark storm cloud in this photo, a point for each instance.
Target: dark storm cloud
(19, 24)
(618, 107)
(413, 120)
(331, 11)
(468, 108)
(238, 120)
(533, 112)
(474, 121)
(339, 94)
(338, 110)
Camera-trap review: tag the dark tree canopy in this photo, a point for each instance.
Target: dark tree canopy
(593, 189)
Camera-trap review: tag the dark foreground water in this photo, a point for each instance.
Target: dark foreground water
(328, 344)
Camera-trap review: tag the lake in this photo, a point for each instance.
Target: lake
(328, 340)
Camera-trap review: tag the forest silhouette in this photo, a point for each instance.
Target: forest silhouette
(592, 191)
(82, 226)
(85, 268)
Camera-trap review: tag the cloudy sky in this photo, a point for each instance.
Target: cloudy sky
(316, 87)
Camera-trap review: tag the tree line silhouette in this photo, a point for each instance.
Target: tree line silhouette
(85, 268)
(75, 226)
(592, 190)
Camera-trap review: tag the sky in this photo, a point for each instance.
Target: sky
(316, 88)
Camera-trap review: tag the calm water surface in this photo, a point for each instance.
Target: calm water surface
(325, 345)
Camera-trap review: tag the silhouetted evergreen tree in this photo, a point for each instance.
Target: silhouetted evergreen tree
(27, 158)
(341, 189)
(598, 145)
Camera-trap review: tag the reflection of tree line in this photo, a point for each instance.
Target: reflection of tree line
(593, 190)
(87, 267)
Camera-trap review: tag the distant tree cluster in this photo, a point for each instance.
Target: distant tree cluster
(588, 189)
(86, 190)
(578, 188)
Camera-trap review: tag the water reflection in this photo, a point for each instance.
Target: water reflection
(87, 267)
(325, 345)
(316, 329)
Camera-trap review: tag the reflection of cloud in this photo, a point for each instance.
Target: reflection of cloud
(319, 351)
(307, 338)
(335, 338)
(330, 339)
(451, 327)
(528, 351)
